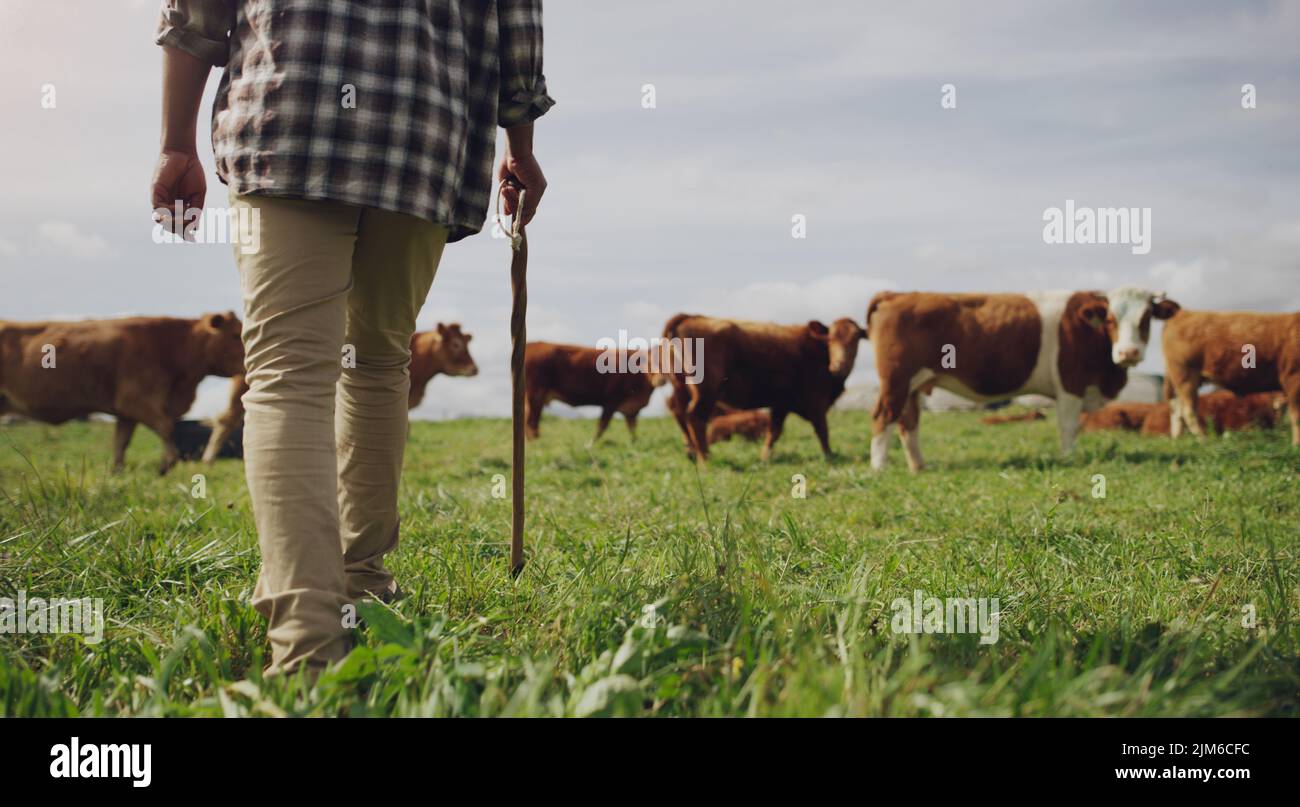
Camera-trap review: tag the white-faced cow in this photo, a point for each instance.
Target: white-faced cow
(1071, 346)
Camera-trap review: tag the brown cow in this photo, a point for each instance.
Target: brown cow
(796, 369)
(1074, 347)
(1225, 411)
(140, 369)
(443, 350)
(1239, 351)
(584, 376)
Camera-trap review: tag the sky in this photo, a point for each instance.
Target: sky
(763, 111)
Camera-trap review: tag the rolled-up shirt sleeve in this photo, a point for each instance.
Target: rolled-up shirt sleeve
(201, 28)
(523, 87)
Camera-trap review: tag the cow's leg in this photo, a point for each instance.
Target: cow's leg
(1291, 388)
(606, 415)
(1068, 409)
(630, 417)
(910, 426)
(533, 405)
(894, 393)
(1187, 391)
(823, 433)
(121, 439)
(678, 403)
(163, 425)
(774, 427)
(697, 418)
(220, 432)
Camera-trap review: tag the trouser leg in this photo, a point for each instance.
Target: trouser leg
(396, 258)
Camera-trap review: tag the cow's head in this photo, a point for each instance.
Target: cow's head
(841, 343)
(453, 346)
(219, 343)
(1127, 320)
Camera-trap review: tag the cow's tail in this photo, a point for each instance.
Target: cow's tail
(881, 297)
(671, 359)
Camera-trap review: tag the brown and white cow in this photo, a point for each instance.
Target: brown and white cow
(1240, 351)
(797, 369)
(585, 376)
(1074, 347)
(442, 350)
(140, 369)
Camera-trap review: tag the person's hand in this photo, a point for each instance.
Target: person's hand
(178, 176)
(519, 168)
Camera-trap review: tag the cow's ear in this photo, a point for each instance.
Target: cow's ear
(467, 337)
(442, 329)
(818, 331)
(1164, 308)
(214, 322)
(1094, 313)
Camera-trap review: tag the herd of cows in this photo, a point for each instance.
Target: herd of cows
(746, 378)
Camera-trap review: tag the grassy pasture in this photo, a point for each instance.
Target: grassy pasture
(1175, 594)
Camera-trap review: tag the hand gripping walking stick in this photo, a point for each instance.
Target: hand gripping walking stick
(518, 338)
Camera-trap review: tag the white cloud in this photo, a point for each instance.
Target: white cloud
(65, 238)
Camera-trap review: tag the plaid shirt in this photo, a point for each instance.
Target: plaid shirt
(391, 104)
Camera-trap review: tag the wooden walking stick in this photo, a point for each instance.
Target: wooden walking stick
(518, 338)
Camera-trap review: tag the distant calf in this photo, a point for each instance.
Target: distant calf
(580, 376)
(1242, 352)
(442, 350)
(1224, 411)
(999, 420)
(1074, 347)
(1126, 415)
(797, 369)
(140, 369)
(751, 424)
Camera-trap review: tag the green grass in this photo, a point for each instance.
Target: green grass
(764, 604)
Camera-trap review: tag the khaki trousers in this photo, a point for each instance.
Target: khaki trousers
(330, 301)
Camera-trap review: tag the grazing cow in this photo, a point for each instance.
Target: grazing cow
(1242, 352)
(1225, 411)
(443, 350)
(796, 369)
(1071, 346)
(141, 369)
(1125, 415)
(584, 376)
